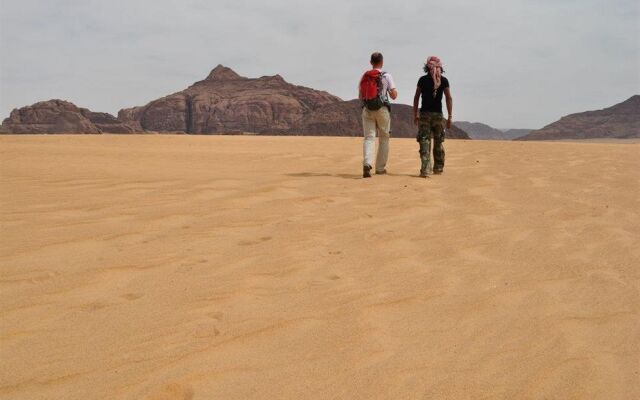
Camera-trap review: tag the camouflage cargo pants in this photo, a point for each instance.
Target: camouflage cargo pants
(431, 126)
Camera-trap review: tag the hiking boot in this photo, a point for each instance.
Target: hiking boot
(383, 172)
(437, 171)
(423, 174)
(366, 171)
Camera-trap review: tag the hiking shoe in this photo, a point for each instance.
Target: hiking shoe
(437, 171)
(383, 172)
(423, 174)
(366, 171)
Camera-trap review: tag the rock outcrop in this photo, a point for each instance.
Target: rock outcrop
(53, 116)
(226, 102)
(223, 103)
(107, 123)
(619, 121)
(59, 116)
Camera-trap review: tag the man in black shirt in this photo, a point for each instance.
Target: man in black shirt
(430, 121)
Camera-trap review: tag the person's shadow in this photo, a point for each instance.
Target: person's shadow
(323, 175)
(343, 176)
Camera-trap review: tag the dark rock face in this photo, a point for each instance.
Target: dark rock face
(53, 116)
(341, 118)
(107, 123)
(619, 121)
(59, 116)
(226, 102)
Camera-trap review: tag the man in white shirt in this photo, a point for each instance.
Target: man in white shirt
(376, 87)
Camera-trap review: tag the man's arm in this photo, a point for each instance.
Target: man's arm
(393, 92)
(416, 100)
(447, 93)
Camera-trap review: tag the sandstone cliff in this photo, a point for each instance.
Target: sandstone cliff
(226, 102)
(59, 116)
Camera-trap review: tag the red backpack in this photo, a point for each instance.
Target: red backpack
(371, 90)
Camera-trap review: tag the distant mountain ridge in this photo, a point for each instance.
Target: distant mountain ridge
(223, 103)
(619, 121)
(480, 131)
(511, 134)
(227, 103)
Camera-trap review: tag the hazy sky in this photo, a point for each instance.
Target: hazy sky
(511, 63)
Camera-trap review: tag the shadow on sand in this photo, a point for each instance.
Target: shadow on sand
(323, 175)
(408, 175)
(344, 176)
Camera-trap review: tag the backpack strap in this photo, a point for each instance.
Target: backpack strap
(387, 103)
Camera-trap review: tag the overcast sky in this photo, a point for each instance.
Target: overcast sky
(511, 63)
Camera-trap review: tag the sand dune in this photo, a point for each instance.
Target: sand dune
(191, 267)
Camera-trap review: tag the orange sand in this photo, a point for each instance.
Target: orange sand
(182, 267)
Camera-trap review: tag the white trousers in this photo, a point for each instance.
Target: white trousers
(376, 123)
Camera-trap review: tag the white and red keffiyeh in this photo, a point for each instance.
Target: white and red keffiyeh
(434, 65)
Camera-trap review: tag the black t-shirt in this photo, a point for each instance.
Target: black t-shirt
(430, 103)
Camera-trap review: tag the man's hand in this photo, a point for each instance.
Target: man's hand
(447, 94)
(416, 99)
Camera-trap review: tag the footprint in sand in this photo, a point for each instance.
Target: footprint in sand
(217, 315)
(131, 296)
(206, 330)
(93, 306)
(184, 268)
(253, 242)
(173, 391)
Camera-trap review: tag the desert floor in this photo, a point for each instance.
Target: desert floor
(192, 267)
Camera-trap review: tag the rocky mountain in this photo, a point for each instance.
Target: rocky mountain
(223, 103)
(59, 116)
(619, 121)
(226, 102)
